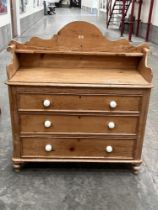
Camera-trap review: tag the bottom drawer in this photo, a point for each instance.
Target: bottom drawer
(77, 148)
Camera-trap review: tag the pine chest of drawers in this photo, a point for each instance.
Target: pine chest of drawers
(78, 97)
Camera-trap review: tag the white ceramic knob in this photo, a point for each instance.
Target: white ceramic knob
(46, 103)
(111, 125)
(47, 124)
(113, 104)
(109, 149)
(48, 148)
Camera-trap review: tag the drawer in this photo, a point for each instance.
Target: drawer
(79, 124)
(77, 148)
(79, 102)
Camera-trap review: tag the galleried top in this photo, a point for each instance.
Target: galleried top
(78, 36)
(75, 52)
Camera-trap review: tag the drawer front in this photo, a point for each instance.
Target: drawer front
(77, 148)
(79, 124)
(80, 102)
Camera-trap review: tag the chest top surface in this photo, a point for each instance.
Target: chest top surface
(79, 55)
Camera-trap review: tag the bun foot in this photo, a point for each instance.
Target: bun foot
(136, 169)
(17, 167)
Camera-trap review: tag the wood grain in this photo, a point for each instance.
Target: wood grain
(78, 36)
(78, 124)
(77, 148)
(79, 76)
(80, 71)
(79, 102)
(73, 61)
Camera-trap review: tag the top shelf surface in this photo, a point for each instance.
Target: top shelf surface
(101, 77)
(48, 51)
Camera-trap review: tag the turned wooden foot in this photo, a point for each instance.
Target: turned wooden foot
(136, 168)
(17, 167)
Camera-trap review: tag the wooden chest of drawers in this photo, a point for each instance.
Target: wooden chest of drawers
(78, 97)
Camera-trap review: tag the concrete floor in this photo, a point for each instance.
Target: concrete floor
(81, 187)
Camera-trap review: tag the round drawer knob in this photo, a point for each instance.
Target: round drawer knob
(47, 124)
(48, 148)
(113, 104)
(111, 125)
(46, 103)
(109, 149)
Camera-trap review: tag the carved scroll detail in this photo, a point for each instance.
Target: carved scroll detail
(78, 36)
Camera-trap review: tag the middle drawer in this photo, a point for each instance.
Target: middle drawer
(78, 124)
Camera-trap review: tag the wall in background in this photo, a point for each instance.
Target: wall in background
(90, 5)
(31, 7)
(66, 2)
(29, 13)
(145, 12)
(155, 11)
(5, 28)
(5, 18)
(102, 5)
(32, 12)
(144, 20)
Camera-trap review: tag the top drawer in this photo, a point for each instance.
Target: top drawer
(79, 102)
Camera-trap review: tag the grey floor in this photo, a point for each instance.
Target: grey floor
(81, 187)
